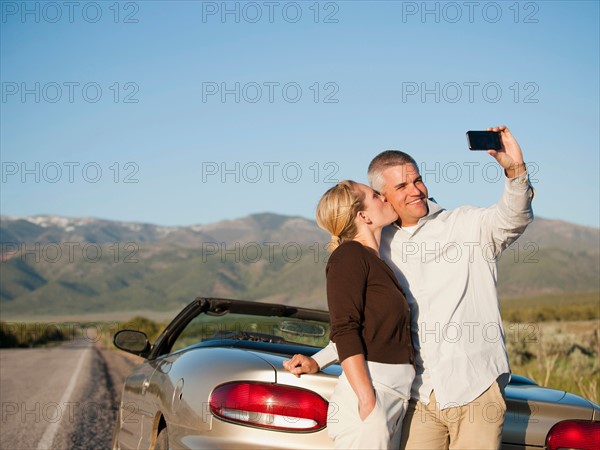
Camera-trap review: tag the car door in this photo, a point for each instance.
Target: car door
(135, 410)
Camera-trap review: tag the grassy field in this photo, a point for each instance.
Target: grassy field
(558, 306)
(554, 339)
(561, 355)
(22, 334)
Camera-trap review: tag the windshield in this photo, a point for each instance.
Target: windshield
(272, 329)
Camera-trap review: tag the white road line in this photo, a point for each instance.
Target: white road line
(48, 436)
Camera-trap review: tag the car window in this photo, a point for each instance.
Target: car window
(277, 330)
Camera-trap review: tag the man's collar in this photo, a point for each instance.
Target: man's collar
(433, 209)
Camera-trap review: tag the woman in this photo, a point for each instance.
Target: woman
(370, 322)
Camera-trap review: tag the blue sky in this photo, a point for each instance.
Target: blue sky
(188, 112)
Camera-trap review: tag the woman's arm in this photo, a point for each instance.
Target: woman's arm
(347, 273)
(355, 368)
(299, 364)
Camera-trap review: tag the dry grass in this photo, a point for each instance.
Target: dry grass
(560, 355)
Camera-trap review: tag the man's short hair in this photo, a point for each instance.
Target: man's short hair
(385, 159)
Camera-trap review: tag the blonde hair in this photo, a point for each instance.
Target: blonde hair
(337, 211)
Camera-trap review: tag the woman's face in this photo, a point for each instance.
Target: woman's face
(376, 207)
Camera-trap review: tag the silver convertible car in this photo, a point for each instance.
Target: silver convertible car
(214, 379)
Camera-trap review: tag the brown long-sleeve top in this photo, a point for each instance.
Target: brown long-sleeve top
(368, 311)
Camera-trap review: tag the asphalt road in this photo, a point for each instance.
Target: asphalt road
(63, 397)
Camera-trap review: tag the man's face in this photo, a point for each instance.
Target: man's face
(404, 189)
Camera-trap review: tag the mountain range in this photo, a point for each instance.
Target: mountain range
(57, 265)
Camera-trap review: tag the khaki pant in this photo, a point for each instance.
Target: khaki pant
(476, 425)
(381, 428)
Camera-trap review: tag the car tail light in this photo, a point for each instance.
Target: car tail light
(574, 435)
(271, 406)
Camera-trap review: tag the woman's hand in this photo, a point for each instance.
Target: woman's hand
(355, 368)
(366, 407)
(300, 364)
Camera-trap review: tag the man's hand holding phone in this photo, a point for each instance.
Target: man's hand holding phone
(509, 156)
(499, 143)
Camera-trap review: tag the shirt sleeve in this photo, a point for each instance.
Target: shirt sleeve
(326, 356)
(347, 272)
(504, 222)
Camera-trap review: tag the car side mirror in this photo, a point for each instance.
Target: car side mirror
(132, 341)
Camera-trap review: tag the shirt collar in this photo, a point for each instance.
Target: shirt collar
(433, 209)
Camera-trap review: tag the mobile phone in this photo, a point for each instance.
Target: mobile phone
(483, 140)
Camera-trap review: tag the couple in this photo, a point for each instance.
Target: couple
(414, 308)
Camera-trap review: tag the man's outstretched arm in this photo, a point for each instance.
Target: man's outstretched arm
(504, 222)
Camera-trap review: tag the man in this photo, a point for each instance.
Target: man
(446, 262)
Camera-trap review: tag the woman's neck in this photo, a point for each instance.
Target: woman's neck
(369, 238)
